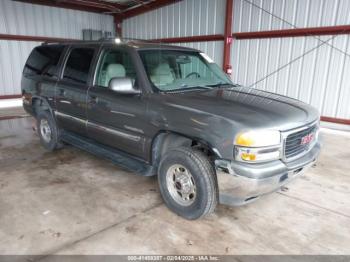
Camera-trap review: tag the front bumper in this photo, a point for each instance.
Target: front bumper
(240, 183)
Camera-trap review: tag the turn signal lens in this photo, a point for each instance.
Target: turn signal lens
(256, 155)
(248, 157)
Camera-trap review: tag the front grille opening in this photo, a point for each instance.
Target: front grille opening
(293, 146)
(250, 198)
(297, 171)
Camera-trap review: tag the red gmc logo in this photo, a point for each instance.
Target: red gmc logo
(307, 139)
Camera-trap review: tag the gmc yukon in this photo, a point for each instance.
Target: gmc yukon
(172, 112)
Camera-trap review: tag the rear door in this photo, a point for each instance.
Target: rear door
(40, 73)
(71, 90)
(114, 119)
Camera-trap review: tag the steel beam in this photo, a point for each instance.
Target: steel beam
(335, 120)
(310, 31)
(10, 96)
(189, 39)
(34, 38)
(228, 37)
(146, 7)
(65, 5)
(118, 24)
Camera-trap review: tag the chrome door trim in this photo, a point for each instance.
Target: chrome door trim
(114, 131)
(100, 127)
(122, 113)
(64, 102)
(57, 113)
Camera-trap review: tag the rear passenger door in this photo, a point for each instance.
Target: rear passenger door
(71, 90)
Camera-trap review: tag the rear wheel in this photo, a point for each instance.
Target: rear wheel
(187, 183)
(48, 131)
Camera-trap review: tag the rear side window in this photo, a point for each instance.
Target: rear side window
(78, 65)
(43, 61)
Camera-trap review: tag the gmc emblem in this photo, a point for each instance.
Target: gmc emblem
(307, 139)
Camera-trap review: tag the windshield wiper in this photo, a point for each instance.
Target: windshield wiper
(202, 87)
(220, 84)
(186, 87)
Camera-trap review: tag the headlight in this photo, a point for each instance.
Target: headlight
(258, 146)
(258, 138)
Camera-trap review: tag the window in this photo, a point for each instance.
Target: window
(43, 61)
(78, 65)
(90, 34)
(170, 70)
(115, 63)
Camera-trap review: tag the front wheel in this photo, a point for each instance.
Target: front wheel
(187, 183)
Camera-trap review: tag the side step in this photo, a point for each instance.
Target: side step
(116, 156)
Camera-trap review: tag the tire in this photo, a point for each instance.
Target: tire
(182, 172)
(48, 131)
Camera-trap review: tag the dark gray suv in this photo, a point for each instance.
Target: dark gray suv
(169, 111)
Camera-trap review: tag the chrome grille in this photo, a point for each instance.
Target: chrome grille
(292, 144)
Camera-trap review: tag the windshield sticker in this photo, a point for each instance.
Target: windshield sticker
(207, 58)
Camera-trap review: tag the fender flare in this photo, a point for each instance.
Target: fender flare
(166, 140)
(43, 102)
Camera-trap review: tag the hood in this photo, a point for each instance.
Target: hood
(246, 107)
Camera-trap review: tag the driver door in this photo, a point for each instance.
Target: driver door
(115, 119)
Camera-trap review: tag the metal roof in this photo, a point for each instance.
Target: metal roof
(124, 8)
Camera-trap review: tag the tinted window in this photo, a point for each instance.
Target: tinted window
(78, 65)
(115, 63)
(43, 61)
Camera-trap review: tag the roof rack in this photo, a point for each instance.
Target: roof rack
(63, 41)
(103, 39)
(126, 39)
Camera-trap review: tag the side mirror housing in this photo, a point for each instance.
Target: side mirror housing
(123, 85)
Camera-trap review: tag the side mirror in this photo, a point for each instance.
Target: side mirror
(123, 85)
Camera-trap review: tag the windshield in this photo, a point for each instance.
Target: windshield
(170, 70)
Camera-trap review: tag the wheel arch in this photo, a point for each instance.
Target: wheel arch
(166, 140)
(40, 103)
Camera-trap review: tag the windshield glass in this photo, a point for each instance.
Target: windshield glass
(170, 70)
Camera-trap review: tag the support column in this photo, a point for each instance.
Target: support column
(228, 37)
(118, 22)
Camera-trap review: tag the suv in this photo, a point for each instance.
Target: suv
(169, 111)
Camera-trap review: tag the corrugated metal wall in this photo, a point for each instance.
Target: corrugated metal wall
(313, 69)
(35, 20)
(264, 15)
(13, 57)
(186, 18)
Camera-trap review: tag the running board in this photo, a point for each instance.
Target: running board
(116, 156)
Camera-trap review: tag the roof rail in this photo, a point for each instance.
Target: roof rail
(104, 39)
(126, 39)
(61, 41)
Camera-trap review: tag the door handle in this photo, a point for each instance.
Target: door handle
(93, 99)
(62, 92)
